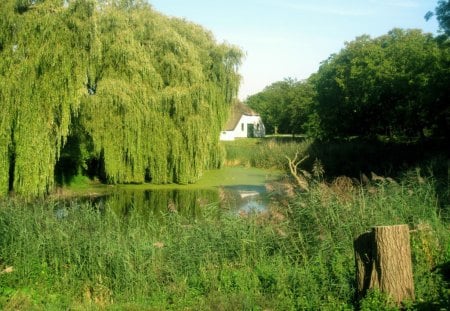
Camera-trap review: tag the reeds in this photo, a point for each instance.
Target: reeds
(264, 153)
(297, 256)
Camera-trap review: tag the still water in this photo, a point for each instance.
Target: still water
(187, 202)
(234, 190)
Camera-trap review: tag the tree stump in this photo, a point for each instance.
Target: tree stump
(383, 261)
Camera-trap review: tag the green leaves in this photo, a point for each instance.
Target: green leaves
(381, 86)
(145, 96)
(285, 106)
(442, 15)
(395, 86)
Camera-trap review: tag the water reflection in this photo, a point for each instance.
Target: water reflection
(244, 198)
(188, 203)
(160, 202)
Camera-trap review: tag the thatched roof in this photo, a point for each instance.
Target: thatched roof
(237, 110)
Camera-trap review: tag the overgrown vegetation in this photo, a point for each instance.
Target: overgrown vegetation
(395, 86)
(351, 157)
(110, 89)
(296, 256)
(263, 153)
(149, 107)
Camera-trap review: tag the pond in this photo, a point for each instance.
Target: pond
(234, 189)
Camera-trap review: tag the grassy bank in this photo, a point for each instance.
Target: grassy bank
(263, 153)
(340, 157)
(297, 256)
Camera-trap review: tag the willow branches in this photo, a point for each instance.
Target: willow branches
(142, 94)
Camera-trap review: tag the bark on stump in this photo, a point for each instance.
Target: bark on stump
(383, 261)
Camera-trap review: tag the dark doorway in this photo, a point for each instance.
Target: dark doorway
(250, 130)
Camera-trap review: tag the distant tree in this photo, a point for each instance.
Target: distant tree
(442, 13)
(287, 107)
(301, 111)
(383, 86)
(441, 87)
(395, 85)
(273, 104)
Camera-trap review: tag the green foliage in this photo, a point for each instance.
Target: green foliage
(395, 85)
(83, 256)
(142, 95)
(272, 104)
(285, 106)
(389, 85)
(330, 218)
(376, 300)
(264, 153)
(442, 13)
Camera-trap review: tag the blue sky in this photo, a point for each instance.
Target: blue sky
(289, 38)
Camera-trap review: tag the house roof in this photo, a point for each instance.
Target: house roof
(237, 111)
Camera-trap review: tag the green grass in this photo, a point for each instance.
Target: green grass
(296, 257)
(264, 153)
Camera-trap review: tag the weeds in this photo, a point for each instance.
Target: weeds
(264, 153)
(298, 256)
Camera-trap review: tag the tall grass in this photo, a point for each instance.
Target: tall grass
(264, 153)
(331, 217)
(295, 257)
(343, 157)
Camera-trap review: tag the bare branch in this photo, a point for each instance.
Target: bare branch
(300, 176)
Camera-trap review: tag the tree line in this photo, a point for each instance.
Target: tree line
(111, 88)
(396, 85)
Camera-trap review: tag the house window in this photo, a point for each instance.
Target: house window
(242, 127)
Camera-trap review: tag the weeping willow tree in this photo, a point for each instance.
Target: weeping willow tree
(41, 76)
(110, 84)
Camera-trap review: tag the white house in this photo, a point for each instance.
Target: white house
(243, 122)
